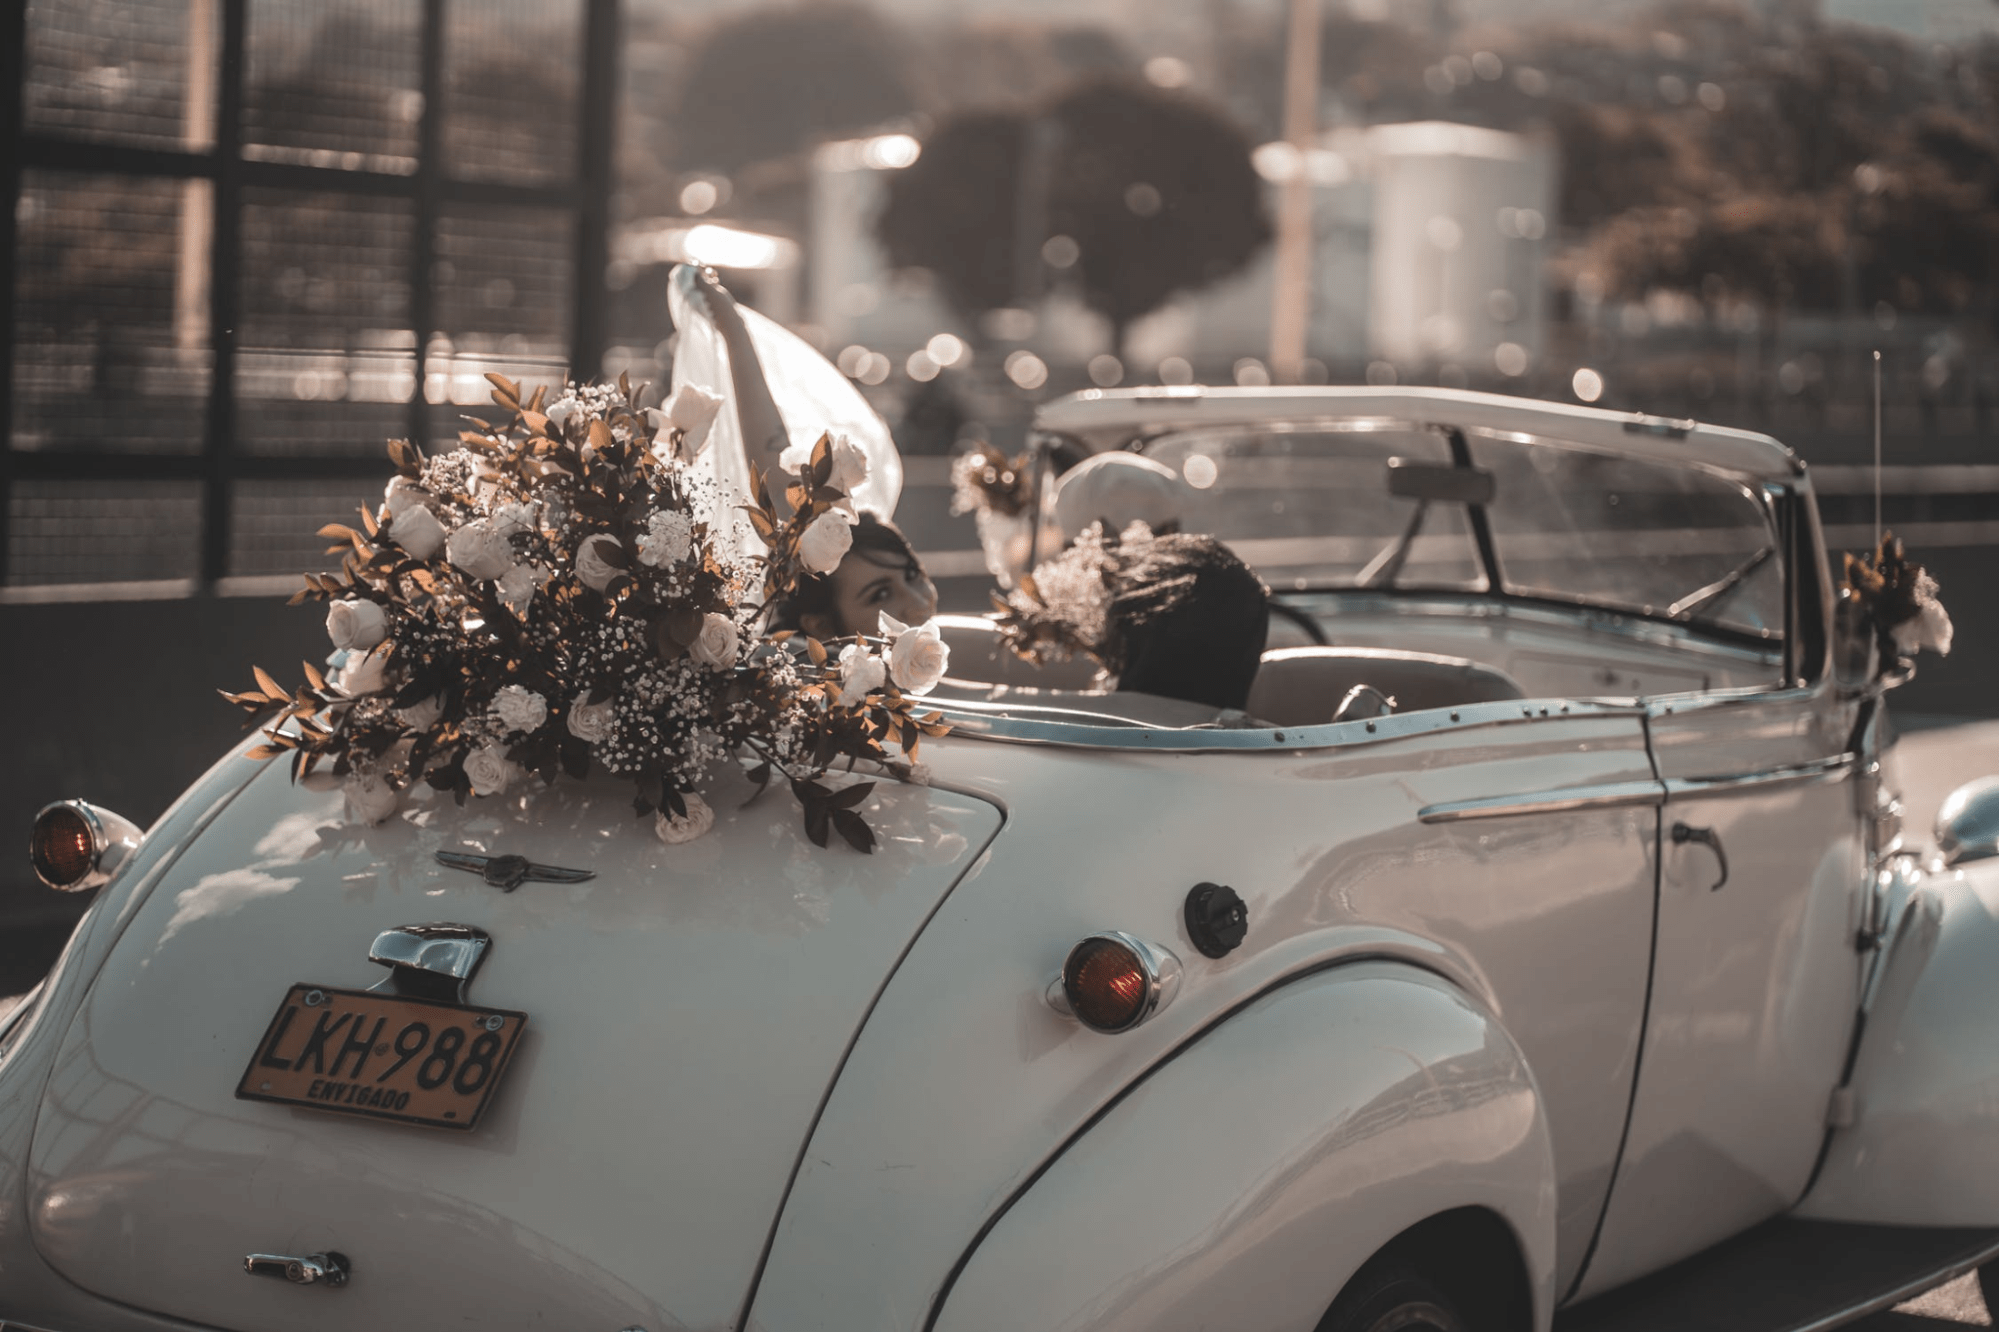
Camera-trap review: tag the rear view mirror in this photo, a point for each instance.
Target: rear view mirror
(1414, 480)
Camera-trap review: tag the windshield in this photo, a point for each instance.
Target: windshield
(1310, 506)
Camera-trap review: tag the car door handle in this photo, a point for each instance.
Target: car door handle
(306, 1270)
(1684, 832)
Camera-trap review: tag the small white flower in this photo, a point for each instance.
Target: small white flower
(355, 623)
(591, 722)
(1929, 628)
(716, 646)
(698, 820)
(918, 657)
(591, 566)
(860, 672)
(369, 800)
(693, 409)
(825, 542)
(850, 464)
(489, 770)
(517, 587)
(422, 715)
(520, 708)
(401, 495)
(668, 539)
(417, 531)
(363, 673)
(480, 550)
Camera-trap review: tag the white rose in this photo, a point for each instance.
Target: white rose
(693, 409)
(363, 673)
(401, 495)
(560, 411)
(516, 588)
(519, 708)
(591, 722)
(668, 539)
(825, 542)
(480, 550)
(860, 672)
(796, 456)
(369, 799)
(1929, 628)
(513, 519)
(715, 646)
(850, 464)
(417, 531)
(678, 828)
(917, 655)
(355, 623)
(595, 571)
(422, 715)
(489, 770)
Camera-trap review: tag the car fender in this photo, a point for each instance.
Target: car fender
(1245, 1179)
(1919, 1144)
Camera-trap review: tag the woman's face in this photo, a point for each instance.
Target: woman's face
(868, 583)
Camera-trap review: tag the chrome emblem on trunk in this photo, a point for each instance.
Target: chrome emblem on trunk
(508, 873)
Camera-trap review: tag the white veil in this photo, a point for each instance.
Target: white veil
(811, 394)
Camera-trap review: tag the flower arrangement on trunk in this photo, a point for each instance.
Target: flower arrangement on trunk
(563, 592)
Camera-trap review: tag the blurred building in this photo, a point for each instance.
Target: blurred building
(1428, 241)
(1460, 221)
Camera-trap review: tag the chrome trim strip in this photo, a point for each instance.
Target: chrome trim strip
(1787, 775)
(1000, 721)
(1914, 1286)
(1595, 796)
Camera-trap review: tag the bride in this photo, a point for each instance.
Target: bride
(785, 396)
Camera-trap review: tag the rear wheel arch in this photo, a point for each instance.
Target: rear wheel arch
(1469, 1255)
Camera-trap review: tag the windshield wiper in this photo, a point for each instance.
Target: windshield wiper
(1703, 599)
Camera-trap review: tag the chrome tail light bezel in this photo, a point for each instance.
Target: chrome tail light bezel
(113, 839)
(1160, 967)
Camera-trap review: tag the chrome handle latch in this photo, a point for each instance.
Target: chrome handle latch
(306, 1270)
(1685, 833)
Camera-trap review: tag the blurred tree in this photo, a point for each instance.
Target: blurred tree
(1158, 193)
(991, 65)
(770, 82)
(952, 212)
(1155, 189)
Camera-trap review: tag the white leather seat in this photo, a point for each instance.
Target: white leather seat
(1301, 687)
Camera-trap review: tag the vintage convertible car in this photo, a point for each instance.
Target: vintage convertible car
(1590, 980)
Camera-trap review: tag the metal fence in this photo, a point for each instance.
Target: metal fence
(248, 240)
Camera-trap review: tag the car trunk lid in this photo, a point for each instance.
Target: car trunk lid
(687, 1010)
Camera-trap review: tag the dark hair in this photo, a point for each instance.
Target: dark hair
(877, 541)
(1188, 620)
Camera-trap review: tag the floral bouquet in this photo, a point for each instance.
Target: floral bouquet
(563, 592)
(1897, 600)
(1002, 495)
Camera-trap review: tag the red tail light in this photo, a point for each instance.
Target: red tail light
(1114, 981)
(76, 846)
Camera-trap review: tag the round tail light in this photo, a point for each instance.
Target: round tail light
(76, 846)
(1113, 982)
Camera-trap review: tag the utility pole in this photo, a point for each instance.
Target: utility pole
(1291, 283)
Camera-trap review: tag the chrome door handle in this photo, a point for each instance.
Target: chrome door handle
(306, 1270)
(1683, 833)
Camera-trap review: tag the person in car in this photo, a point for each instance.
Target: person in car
(1187, 620)
(881, 571)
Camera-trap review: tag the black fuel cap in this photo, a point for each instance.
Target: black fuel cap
(1217, 918)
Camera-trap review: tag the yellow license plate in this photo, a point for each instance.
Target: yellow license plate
(422, 1062)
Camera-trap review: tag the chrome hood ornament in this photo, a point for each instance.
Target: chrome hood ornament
(508, 873)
